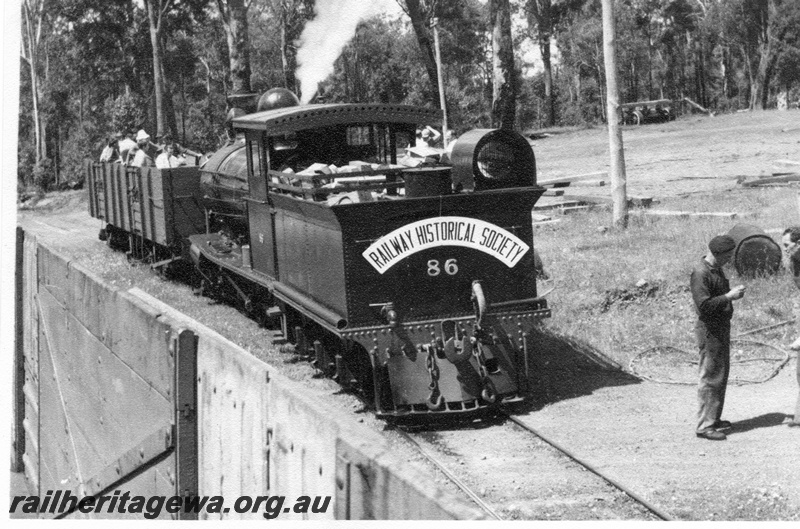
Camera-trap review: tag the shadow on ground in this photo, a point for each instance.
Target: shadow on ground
(766, 420)
(565, 368)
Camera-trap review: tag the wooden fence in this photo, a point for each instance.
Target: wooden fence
(117, 391)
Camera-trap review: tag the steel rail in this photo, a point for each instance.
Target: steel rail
(588, 466)
(460, 484)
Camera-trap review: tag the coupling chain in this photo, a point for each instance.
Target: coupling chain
(433, 368)
(489, 392)
(435, 399)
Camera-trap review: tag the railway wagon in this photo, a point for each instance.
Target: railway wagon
(412, 278)
(147, 211)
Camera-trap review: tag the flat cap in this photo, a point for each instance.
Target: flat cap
(721, 244)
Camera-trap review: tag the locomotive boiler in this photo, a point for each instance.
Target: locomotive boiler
(404, 273)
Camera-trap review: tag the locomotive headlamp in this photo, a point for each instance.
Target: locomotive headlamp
(492, 159)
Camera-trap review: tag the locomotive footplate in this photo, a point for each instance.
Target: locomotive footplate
(451, 365)
(228, 256)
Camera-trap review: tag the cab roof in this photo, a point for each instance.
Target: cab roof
(302, 117)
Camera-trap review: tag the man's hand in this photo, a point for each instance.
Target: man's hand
(736, 293)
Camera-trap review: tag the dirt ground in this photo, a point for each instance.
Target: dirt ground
(689, 155)
(639, 432)
(642, 432)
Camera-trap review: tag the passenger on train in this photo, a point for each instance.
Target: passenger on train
(427, 137)
(144, 156)
(170, 157)
(110, 151)
(126, 143)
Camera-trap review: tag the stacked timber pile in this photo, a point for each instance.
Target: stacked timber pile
(788, 174)
(562, 196)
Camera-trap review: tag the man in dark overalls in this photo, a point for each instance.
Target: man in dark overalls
(713, 299)
(791, 245)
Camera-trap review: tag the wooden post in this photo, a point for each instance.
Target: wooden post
(18, 441)
(617, 154)
(435, 26)
(184, 347)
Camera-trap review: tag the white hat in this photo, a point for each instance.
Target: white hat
(142, 135)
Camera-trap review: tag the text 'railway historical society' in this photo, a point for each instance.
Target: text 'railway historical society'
(445, 231)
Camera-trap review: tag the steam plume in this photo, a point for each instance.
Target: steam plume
(324, 38)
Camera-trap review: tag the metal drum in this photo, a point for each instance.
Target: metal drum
(756, 253)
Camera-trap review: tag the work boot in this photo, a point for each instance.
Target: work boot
(711, 434)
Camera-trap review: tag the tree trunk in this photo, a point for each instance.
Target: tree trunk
(759, 80)
(723, 66)
(419, 23)
(504, 100)
(33, 19)
(165, 125)
(234, 18)
(286, 63)
(617, 158)
(549, 97)
(540, 14)
(649, 63)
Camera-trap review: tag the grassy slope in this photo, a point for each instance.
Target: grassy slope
(589, 264)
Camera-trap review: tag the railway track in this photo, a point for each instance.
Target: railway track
(543, 481)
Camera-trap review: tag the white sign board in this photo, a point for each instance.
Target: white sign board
(445, 231)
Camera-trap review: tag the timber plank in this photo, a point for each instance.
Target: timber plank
(29, 321)
(53, 273)
(158, 480)
(109, 407)
(793, 177)
(602, 175)
(545, 222)
(232, 425)
(30, 344)
(140, 340)
(90, 300)
(633, 201)
(689, 214)
(127, 326)
(58, 460)
(303, 446)
(556, 204)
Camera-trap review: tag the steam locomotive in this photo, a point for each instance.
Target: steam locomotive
(398, 271)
